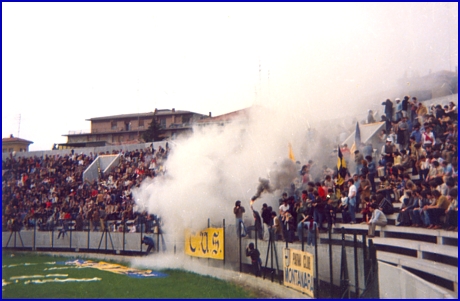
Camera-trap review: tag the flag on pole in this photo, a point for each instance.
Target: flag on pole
(291, 153)
(352, 150)
(357, 137)
(341, 167)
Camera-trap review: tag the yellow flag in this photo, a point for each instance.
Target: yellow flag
(352, 150)
(341, 167)
(291, 153)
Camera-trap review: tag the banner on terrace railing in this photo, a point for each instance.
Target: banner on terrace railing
(208, 243)
(298, 270)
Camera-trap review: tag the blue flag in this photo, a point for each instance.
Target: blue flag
(357, 137)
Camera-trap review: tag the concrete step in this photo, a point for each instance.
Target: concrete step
(435, 268)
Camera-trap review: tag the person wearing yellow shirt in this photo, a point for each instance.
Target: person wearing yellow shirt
(435, 211)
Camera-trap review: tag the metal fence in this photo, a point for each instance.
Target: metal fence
(345, 266)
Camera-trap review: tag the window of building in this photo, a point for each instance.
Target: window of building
(141, 122)
(10, 150)
(114, 125)
(3, 150)
(163, 122)
(185, 119)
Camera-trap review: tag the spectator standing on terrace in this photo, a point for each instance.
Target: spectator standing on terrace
(329, 183)
(276, 228)
(372, 172)
(416, 134)
(352, 191)
(357, 184)
(422, 110)
(387, 151)
(378, 219)
(388, 109)
(370, 117)
(289, 226)
(283, 208)
(318, 207)
(330, 211)
(452, 111)
(405, 106)
(403, 133)
(383, 137)
(238, 210)
(284, 197)
(398, 108)
(392, 133)
(257, 225)
(303, 211)
(428, 138)
(267, 219)
(413, 109)
(365, 188)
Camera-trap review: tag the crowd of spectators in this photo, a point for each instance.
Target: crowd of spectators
(416, 164)
(49, 191)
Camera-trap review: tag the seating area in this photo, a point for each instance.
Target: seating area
(430, 254)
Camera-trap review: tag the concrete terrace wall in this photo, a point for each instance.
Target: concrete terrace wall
(104, 163)
(80, 241)
(394, 282)
(397, 283)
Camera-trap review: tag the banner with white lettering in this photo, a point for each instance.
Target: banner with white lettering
(208, 243)
(298, 270)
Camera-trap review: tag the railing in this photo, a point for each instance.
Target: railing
(67, 238)
(79, 132)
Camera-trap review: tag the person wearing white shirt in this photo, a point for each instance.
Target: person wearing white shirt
(428, 137)
(352, 200)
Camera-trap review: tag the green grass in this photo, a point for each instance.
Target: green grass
(178, 284)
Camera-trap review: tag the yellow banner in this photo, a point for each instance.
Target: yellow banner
(208, 243)
(298, 270)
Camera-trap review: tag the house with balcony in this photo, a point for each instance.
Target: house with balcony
(128, 128)
(15, 144)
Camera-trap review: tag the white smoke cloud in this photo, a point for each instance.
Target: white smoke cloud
(324, 62)
(218, 165)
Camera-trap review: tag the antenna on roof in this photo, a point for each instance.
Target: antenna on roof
(260, 78)
(268, 83)
(19, 123)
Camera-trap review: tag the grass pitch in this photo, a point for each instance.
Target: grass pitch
(18, 282)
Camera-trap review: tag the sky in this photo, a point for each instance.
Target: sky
(63, 63)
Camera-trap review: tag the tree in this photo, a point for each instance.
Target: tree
(153, 131)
